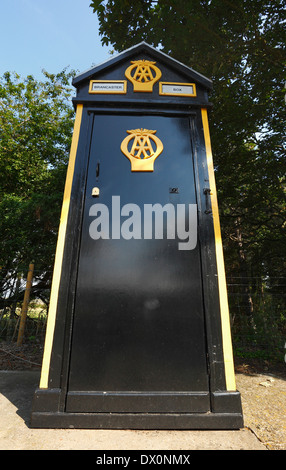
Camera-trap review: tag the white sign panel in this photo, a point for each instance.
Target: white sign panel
(177, 89)
(112, 86)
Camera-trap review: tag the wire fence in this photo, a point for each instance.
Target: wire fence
(257, 313)
(21, 311)
(258, 317)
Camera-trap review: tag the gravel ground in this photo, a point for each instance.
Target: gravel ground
(263, 398)
(262, 388)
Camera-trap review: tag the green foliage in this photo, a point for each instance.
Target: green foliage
(36, 121)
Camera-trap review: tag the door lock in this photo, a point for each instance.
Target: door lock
(95, 192)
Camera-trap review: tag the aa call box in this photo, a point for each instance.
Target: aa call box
(138, 332)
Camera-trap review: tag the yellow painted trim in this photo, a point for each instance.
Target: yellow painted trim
(193, 85)
(224, 310)
(59, 253)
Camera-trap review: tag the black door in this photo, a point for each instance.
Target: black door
(138, 342)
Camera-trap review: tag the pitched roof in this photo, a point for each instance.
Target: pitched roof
(139, 48)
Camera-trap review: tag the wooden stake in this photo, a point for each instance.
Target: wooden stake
(25, 304)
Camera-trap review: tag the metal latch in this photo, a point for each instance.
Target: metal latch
(207, 193)
(174, 190)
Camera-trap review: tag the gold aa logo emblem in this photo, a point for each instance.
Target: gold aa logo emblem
(142, 147)
(143, 74)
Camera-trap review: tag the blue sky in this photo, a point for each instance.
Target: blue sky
(50, 35)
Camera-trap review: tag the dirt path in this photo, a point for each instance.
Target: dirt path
(264, 407)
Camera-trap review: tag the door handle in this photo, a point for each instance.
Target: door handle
(207, 193)
(97, 169)
(95, 191)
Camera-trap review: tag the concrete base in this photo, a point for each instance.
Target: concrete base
(17, 390)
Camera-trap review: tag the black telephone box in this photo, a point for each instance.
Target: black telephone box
(138, 332)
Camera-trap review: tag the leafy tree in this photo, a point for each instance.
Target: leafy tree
(240, 45)
(36, 120)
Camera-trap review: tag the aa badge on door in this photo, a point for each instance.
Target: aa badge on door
(142, 147)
